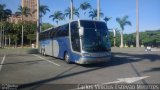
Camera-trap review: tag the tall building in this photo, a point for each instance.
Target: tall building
(32, 5)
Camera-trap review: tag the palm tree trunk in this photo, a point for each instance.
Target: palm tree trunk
(15, 46)
(137, 24)
(1, 35)
(114, 36)
(38, 25)
(121, 39)
(22, 33)
(9, 39)
(22, 37)
(30, 42)
(114, 42)
(5, 41)
(98, 9)
(71, 10)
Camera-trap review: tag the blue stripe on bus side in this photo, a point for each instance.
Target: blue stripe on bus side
(65, 46)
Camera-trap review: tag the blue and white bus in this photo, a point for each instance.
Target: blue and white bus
(81, 41)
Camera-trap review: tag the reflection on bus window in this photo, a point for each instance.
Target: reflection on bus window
(75, 39)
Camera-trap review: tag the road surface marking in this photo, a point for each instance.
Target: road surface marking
(2, 62)
(128, 80)
(46, 60)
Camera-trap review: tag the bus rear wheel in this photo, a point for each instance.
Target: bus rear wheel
(66, 58)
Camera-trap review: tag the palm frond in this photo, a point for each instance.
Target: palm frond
(43, 9)
(123, 21)
(128, 23)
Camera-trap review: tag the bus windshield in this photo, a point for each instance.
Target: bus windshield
(95, 36)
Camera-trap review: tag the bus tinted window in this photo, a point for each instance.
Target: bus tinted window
(62, 31)
(93, 24)
(75, 39)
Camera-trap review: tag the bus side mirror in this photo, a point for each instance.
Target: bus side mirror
(81, 31)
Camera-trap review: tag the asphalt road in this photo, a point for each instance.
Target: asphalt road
(128, 66)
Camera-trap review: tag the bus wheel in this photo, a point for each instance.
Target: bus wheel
(66, 58)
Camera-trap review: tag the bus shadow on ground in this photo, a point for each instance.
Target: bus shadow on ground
(157, 69)
(116, 60)
(123, 58)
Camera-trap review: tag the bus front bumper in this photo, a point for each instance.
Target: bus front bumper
(88, 60)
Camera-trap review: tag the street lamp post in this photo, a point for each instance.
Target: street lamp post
(137, 23)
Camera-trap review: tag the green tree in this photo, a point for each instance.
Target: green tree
(46, 26)
(15, 33)
(93, 14)
(25, 11)
(29, 33)
(67, 12)
(4, 14)
(31, 37)
(123, 22)
(57, 16)
(150, 38)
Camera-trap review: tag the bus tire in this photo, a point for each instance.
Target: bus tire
(66, 58)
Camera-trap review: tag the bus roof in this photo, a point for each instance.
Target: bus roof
(70, 22)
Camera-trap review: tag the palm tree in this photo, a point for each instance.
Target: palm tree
(93, 14)
(67, 12)
(84, 6)
(122, 22)
(137, 24)
(106, 19)
(4, 14)
(115, 31)
(42, 10)
(57, 16)
(2, 6)
(25, 11)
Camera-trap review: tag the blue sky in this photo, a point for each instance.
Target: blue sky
(149, 13)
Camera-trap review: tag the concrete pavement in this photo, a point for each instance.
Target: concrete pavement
(30, 70)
